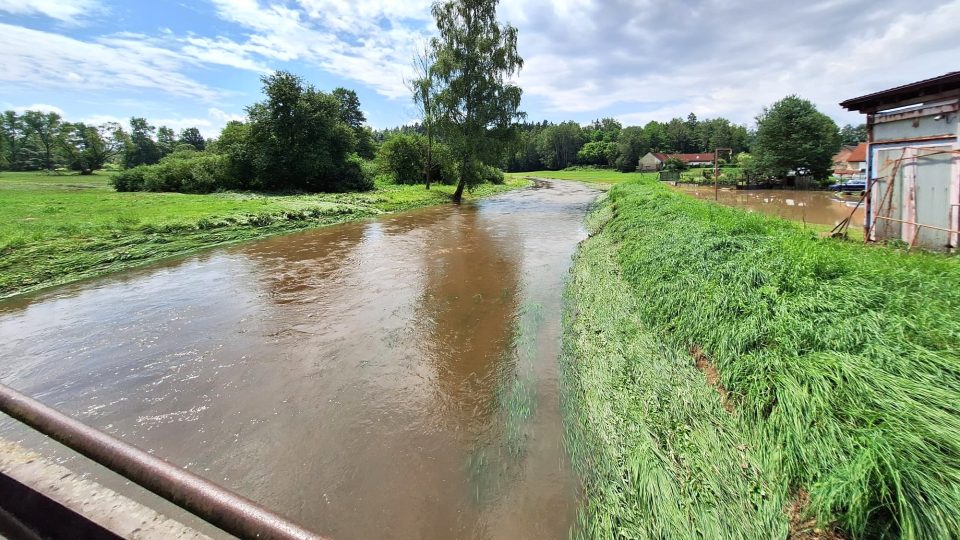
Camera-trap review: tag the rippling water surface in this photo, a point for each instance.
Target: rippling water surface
(394, 378)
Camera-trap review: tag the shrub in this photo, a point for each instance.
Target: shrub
(185, 172)
(400, 157)
(168, 175)
(355, 175)
(403, 157)
(130, 179)
(674, 164)
(490, 174)
(209, 173)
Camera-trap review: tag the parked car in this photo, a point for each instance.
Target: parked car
(850, 186)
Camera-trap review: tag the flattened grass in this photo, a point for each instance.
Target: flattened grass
(659, 456)
(61, 228)
(842, 361)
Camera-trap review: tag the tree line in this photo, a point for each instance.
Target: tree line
(606, 143)
(302, 138)
(42, 140)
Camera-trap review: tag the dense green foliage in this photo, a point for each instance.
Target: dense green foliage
(297, 139)
(793, 136)
(300, 140)
(839, 361)
(37, 140)
(407, 158)
(853, 135)
(605, 143)
(475, 104)
(60, 228)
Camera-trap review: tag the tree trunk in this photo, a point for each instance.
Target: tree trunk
(458, 194)
(464, 171)
(429, 156)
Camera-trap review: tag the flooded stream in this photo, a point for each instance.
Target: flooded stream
(818, 207)
(395, 378)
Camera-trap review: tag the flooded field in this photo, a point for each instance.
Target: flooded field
(819, 207)
(395, 378)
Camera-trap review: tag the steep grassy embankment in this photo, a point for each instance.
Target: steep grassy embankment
(60, 228)
(726, 370)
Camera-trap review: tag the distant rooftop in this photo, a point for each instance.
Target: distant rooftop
(947, 85)
(687, 158)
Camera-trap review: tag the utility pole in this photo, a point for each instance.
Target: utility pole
(716, 170)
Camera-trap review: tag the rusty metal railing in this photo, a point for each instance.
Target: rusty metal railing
(224, 509)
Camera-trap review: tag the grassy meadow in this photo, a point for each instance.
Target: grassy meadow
(590, 176)
(60, 228)
(732, 375)
(607, 177)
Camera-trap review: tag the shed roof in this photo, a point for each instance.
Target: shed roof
(859, 154)
(687, 158)
(946, 85)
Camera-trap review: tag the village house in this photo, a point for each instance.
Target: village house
(913, 162)
(655, 161)
(851, 161)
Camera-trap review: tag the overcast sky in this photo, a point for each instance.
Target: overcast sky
(198, 62)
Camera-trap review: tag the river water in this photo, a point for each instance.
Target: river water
(819, 207)
(394, 378)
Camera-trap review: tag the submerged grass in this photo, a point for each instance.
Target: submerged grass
(841, 364)
(61, 228)
(498, 455)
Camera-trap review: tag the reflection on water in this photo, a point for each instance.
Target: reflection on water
(820, 207)
(388, 379)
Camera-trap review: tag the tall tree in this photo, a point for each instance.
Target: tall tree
(300, 138)
(14, 134)
(351, 115)
(476, 104)
(792, 135)
(423, 87)
(560, 144)
(166, 140)
(350, 111)
(853, 135)
(46, 126)
(633, 144)
(193, 137)
(141, 147)
(88, 148)
(678, 137)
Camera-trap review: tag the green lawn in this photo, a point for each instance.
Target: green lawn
(60, 228)
(720, 367)
(592, 176)
(612, 176)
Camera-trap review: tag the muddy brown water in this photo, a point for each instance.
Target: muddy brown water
(395, 378)
(819, 207)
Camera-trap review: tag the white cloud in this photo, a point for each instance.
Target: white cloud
(725, 58)
(68, 11)
(369, 41)
(39, 107)
(123, 61)
(224, 117)
(635, 59)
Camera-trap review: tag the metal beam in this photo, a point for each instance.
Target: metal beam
(224, 509)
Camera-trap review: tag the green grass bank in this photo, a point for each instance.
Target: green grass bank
(608, 177)
(61, 228)
(732, 375)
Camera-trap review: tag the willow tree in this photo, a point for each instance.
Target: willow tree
(476, 105)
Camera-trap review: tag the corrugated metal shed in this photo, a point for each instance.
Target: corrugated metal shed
(913, 162)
